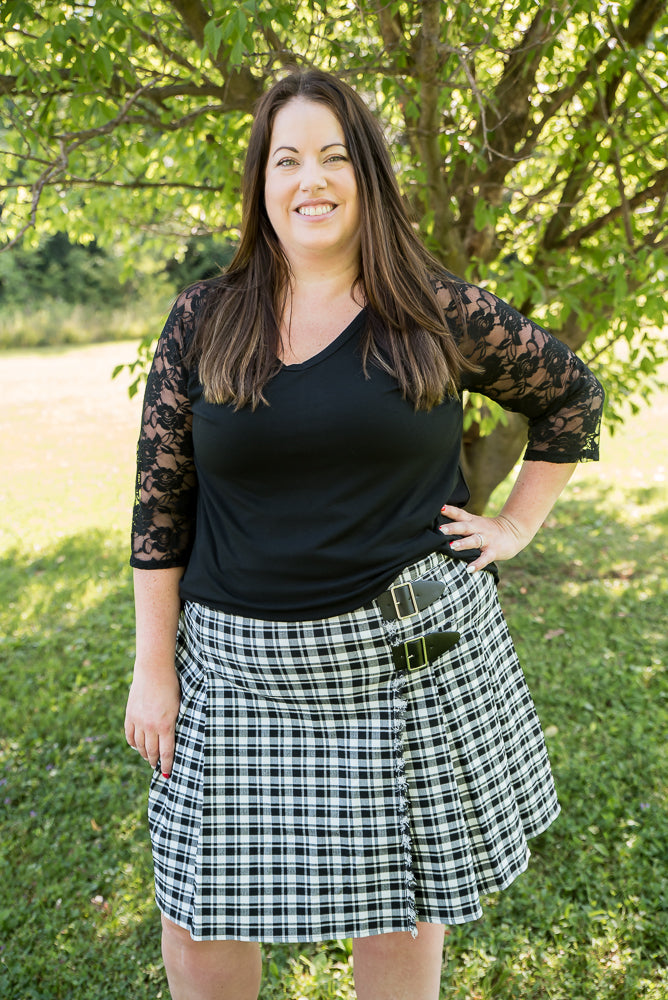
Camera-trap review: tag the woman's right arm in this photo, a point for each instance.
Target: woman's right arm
(162, 528)
(154, 698)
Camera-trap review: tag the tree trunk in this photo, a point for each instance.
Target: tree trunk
(486, 461)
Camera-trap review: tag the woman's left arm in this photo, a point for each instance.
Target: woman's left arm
(527, 370)
(530, 501)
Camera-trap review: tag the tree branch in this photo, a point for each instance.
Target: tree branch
(641, 21)
(185, 89)
(157, 42)
(72, 180)
(241, 88)
(509, 106)
(237, 98)
(427, 64)
(657, 189)
(617, 163)
(7, 84)
(284, 54)
(639, 72)
(391, 28)
(504, 117)
(68, 143)
(194, 17)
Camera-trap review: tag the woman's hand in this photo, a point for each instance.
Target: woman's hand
(531, 499)
(155, 695)
(497, 537)
(150, 716)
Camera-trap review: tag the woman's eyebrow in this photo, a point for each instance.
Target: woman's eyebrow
(292, 149)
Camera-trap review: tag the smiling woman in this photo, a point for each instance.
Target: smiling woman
(311, 201)
(311, 191)
(342, 739)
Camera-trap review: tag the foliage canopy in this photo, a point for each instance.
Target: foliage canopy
(530, 140)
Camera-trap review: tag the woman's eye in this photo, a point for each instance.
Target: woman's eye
(290, 161)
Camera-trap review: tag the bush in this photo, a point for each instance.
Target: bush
(204, 258)
(60, 269)
(69, 293)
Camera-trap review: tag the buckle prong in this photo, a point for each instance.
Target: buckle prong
(421, 650)
(395, 601)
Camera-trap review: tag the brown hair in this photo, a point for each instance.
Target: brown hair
(237, 336)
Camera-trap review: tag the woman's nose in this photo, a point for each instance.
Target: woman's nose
(312, 177)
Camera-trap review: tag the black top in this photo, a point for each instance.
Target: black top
(310, 506)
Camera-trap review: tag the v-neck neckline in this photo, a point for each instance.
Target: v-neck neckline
(330, 348)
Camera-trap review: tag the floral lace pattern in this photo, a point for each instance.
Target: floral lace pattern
(166, 485)
(527, 370)
(522, 367)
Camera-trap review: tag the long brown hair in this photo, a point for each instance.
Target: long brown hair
(237, 336)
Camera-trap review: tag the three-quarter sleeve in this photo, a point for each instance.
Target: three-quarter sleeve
(527, 370)
(166, 483)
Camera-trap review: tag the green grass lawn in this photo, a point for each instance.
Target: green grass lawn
(587, 604)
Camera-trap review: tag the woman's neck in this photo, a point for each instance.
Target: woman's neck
(325, 280)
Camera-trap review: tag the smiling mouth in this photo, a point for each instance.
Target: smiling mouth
(316, 209)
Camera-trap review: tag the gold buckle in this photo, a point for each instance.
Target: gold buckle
(422, 648)
(397, 610)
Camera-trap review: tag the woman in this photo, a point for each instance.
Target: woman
(356, 752)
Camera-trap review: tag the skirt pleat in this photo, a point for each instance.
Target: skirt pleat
(318, 792)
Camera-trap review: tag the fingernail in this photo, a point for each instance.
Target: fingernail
(472, 569)
(165, 775)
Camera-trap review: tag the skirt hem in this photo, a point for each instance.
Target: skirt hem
(412, 927)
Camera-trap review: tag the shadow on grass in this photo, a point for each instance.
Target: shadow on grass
(68, 634)
(587, 606)
(592, 537)
(78, 919)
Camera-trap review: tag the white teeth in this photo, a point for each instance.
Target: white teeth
(315, 209)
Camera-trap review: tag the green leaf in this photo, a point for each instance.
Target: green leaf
(104, 64)
(16, 12)
(483, 214)
(237, 52)
(213, 36)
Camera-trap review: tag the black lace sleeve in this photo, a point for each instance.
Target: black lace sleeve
(166, 485)
(527, 370)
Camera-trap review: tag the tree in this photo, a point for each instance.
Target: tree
(530, 141)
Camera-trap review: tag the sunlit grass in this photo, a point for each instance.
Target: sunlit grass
(61, 323)
(587, 604)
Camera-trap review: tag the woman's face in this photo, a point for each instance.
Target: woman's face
(310, 189)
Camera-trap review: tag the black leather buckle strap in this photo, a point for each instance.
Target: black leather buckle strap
(406, 599)
(417, 653)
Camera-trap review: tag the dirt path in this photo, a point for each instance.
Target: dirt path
(75, 381)
(67, 439)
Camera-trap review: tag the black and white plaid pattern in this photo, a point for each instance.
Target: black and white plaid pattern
(319, 793)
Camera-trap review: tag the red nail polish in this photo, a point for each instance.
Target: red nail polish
(165, 775)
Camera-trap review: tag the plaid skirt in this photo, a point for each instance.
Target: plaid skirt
(319, 792)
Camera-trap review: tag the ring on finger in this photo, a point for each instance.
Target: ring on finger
(482, 540)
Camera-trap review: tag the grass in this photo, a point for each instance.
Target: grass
(59, 323)
(587, 605)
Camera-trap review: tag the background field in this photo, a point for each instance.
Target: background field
(587, 604)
